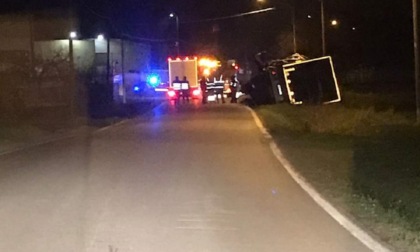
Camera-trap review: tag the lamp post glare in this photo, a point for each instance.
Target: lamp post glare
(73, 35)
(100, 37)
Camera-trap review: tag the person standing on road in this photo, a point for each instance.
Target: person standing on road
(203, 87)
(234, 83)
(219, 87)
(176, 85)
(185, 89)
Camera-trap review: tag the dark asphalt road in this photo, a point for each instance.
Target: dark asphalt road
(188, 179)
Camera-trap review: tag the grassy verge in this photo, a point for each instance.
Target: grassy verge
(364, 160)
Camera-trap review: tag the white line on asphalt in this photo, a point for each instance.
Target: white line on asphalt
(205, 228)
(112, 126)
(349, 225)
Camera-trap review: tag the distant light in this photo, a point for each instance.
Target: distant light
(100, 37)
(136, 88)
(73, 35)
(187, 58)
(179, 59)
(353, 28)
(169, 59)
(309, 16)
(334, 22)
(206, 72)
(172, 15)
(209, 63)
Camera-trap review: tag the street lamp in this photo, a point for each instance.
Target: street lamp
(100, 37)
(334, 22)
(73, 35)
(173, 15)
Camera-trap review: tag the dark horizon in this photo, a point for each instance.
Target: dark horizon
(368, 34)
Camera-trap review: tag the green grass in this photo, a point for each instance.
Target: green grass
(363, 159)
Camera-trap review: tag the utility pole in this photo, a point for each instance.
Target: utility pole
(177, 34)
(294, 28)
(109, 84)
(32, 52)
(416, 58)
(324, 43)
(123, 71)
(174, 15)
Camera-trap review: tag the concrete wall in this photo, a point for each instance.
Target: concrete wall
(83, 52)
(50, 85)
(137, 56)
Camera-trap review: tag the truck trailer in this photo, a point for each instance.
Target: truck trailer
(180, 69)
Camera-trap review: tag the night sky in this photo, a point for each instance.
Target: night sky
(383, 32)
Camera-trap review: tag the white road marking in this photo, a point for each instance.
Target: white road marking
(349, 225)
(206, 228)
(112, 125)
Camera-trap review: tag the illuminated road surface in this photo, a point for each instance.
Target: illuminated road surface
(192, 179)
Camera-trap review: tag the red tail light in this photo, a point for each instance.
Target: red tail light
(196, 92)
(171, 93)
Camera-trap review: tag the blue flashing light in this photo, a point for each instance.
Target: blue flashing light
(153, 80)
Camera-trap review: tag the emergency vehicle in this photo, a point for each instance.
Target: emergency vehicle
(183, 67)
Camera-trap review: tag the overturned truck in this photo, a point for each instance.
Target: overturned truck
(297, 80)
